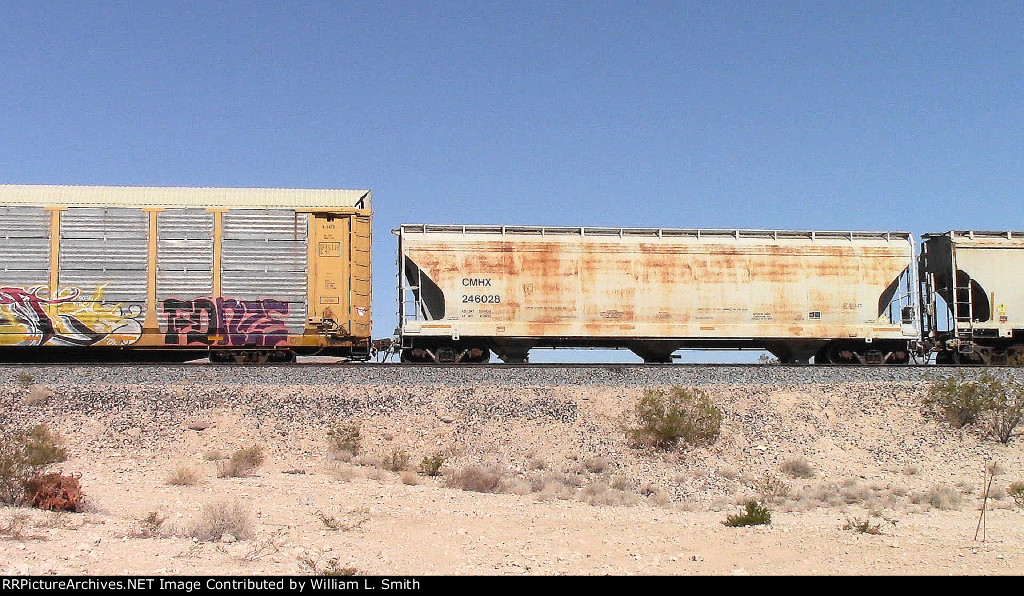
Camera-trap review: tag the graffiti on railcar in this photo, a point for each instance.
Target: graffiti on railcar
(225, 322)
(30, 317)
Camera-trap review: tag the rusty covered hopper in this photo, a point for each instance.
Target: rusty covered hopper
(796, 293)
(980, 318)
(240, 272)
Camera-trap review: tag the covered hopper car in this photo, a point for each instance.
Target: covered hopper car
(973, 296)
(839, 297)
(177, 273)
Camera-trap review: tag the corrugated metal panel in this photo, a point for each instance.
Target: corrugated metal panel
(264, 256)
(141, 196)
(184, 257)
(24, 247)
(104, 222)
(267, 224)
(24, 222)
(105, 249)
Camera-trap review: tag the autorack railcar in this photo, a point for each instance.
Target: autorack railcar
(239, 274)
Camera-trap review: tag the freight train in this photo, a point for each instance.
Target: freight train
(257, 275)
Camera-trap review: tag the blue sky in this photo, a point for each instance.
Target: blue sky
(789, 115)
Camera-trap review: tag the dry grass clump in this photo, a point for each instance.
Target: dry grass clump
(771, 488)
(864, 526)
(410, 478)
(241, 463)
(343, 441)
(150, 526)
(310, 565)
(596, 464)
(599, 493)
(728, 472)
(395, 460)
(214, 455)
(848, 492)
(348, 523)
(37, 395)
(183, 476)
(218, 520)
(940, 496)
(477, 479)
(346, 474)
(797, 467)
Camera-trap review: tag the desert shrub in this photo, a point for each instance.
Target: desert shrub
(771, 488)
(599, 493)
(797, 467)
(331, 567)
(344, 438)
(37, 395)
(395, 460)
(664, 420)
(1016, 492)
(219, 519)
(940, 496)
(24, 455)
(476, 479)
(150, 526)
(214, 455)
(183, 476)
(596, 465)
(864, 526)
(344, 524)
(241, 462)
(431, 464)
(994, 403)
(755, 514)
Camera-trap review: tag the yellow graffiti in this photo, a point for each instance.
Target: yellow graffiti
(30, 317)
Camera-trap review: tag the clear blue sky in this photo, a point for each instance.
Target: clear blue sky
(790, 115)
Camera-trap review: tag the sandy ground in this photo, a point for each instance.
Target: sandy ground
(576, 498)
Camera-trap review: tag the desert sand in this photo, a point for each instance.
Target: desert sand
(574, 497)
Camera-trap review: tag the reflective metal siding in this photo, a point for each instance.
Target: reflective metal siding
(264, 255)
(24, 247)
(184, 262)
(105, 249)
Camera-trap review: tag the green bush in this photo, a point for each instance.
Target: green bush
(24, 454)
(431, 464)
(664, 420)
(754, 515)
(997, 404)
